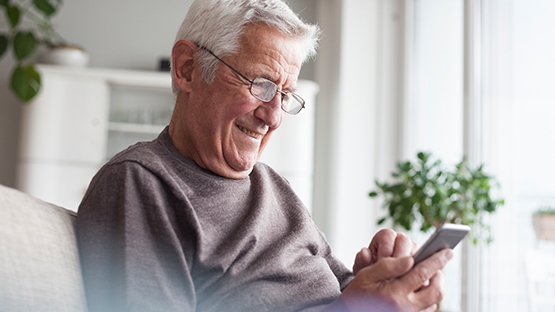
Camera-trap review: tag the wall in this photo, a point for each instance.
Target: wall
(130, 34)
(10, 112)
(437, 119)
(359, 116)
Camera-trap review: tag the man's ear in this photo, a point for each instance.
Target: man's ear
(183, 63)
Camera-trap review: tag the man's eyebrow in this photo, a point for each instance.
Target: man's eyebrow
(285, 89)
(290, 89)
(267, 77)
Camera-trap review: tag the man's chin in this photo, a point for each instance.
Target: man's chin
(240, 168)
(235, 174)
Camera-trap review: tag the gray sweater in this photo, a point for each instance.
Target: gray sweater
(158, 233)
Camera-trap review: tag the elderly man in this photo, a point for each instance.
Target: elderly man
(192, 222)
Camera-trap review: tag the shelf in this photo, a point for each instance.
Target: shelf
(135, 128)
(114, 77)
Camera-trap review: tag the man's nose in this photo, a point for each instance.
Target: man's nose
(270, 112)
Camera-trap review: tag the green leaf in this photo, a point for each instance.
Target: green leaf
(397, 188)
(4, 3)
(25, 82)
(24, 43)
(3, 44)
(382, 220)
(45, 6)
(426, 194)
(13, 15)
(373, 194)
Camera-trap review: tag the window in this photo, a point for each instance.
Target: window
(516, 67)
(396, 84)
(519, 142)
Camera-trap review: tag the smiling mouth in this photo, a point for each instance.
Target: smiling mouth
(248, 132)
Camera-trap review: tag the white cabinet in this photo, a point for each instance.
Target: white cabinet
(82, 117)
(68, 131)
(137, 113)
(65, 122)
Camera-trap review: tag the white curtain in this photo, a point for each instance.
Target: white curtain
(519, 144)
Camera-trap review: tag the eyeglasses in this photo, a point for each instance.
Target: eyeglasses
(265, 90)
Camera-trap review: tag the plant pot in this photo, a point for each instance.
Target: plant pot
(544, 226)
(65, 55)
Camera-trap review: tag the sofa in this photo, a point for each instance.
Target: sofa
(39, 257)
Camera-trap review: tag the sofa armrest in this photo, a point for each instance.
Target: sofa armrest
(39, 258)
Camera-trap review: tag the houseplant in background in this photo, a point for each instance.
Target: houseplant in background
(543, 221)
(28, 28)
(427, 194)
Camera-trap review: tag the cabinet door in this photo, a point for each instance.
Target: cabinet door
(60, 183)
(67, 121)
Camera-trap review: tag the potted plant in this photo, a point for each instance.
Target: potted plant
(29, 27)
(429, 195)
(543, 221)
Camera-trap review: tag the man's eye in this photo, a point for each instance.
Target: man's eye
(285, 97)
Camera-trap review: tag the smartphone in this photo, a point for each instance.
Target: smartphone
(447, 236)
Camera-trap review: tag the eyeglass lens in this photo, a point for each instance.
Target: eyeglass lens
(266, 90)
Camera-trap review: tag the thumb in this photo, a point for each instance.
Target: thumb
(388, 268)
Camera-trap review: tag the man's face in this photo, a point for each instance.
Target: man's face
(225, 127)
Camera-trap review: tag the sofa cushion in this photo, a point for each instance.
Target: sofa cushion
(39, 258)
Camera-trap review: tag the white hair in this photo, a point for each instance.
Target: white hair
(219, 24)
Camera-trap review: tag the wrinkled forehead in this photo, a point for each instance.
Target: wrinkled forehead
(268, 45)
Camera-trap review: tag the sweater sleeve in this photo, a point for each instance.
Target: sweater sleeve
(342, 273)
(136, 253)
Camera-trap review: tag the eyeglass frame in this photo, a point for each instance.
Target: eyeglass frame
(292, 94)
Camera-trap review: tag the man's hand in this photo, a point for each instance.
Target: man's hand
(391, 284)
(386, 243)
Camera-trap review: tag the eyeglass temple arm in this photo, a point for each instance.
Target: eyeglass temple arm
(226, 64)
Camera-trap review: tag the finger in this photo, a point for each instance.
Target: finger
(362, 260)
(426, 269)
(382, 245)
(430, 309)
(433, 293)
(414, 248)
(365, 256)
(403, 246)
(388, 268)
(438, 280)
